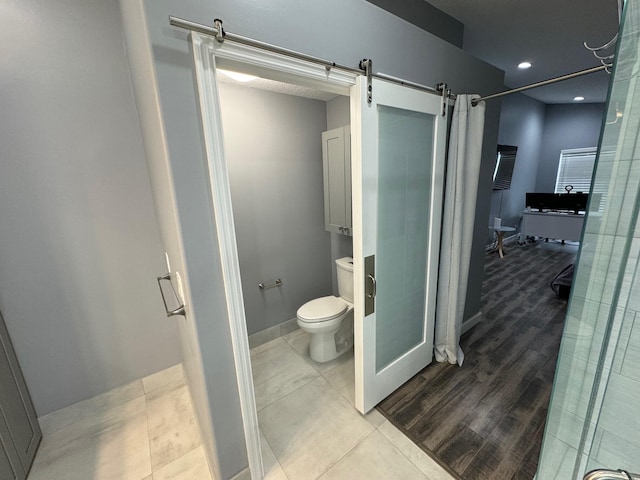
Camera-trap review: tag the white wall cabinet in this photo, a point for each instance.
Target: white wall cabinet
(19, 429)
(336, 159)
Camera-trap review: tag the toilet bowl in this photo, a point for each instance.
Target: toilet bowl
(323, 318)
(329, 320)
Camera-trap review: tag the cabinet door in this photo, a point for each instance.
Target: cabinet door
(347, 185)
(337, 180)
(16, 409)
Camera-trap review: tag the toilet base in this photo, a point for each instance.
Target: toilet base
(322, 347)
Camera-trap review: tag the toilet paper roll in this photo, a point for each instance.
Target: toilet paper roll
(497, 222)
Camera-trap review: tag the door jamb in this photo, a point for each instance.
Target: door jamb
(208, 52)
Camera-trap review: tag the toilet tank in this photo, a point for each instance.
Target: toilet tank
(344, 271)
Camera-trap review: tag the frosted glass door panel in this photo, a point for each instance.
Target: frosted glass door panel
(398, 150)
(405, 155)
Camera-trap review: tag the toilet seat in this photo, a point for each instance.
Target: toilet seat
(322, 309)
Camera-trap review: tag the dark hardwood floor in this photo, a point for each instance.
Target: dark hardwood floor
(485, 420)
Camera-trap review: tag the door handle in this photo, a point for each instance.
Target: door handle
(374, 286)
(170, 313)
(371, 286)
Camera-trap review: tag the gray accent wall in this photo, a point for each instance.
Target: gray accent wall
(566, 126)
(521, 124)
(427, 17)
(79, 242)
(167, 87)
(273, 148)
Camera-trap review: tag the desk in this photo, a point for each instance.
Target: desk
(561, 226)
(500, 231)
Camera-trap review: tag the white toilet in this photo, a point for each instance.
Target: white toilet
(329, 320)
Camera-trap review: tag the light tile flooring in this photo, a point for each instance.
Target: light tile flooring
(309, 428)
(143, 430)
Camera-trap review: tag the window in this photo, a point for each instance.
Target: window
(504, 167)
(576, 169)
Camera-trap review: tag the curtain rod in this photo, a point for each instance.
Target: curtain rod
(474, 102)
(221, 35)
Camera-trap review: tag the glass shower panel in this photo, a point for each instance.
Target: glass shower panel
(613, 438)
(405, 156)
(594, 414)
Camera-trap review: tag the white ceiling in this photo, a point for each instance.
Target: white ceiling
(280, 87)
(547, 33)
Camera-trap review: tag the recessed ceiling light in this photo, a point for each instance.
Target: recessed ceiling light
(578, 99)
(524, 65)
(237, 76)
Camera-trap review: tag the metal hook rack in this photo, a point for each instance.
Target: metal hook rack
(607, 59)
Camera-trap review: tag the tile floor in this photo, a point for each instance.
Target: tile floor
(143, 430)
(309, 428)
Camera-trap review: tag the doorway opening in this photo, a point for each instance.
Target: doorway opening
(285, 225)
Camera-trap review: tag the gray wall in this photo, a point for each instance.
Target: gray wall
(355, 25)
(566, 126)
(540, 132)
(427, 17)
(79, 243)
(485, 181)
(275, 172)
(338, 112)
(189, 239)
(522, 125)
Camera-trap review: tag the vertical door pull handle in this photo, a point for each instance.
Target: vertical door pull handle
(370, 285)
(170, 313)
(374, 286)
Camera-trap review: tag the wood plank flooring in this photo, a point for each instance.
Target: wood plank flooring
(485, 420)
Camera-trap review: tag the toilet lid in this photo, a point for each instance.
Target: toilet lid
(321, 309)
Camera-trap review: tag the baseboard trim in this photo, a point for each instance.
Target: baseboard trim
(471, 322)
(243, 475)
(271, 333)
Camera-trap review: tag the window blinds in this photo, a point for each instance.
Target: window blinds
(576, 169)
(504, 167)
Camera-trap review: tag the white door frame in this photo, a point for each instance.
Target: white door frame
(208, 53)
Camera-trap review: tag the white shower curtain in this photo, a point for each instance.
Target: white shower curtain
(461, 189)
